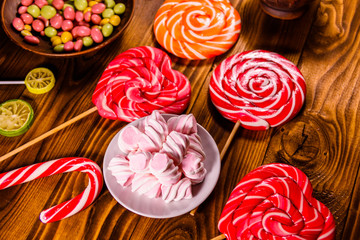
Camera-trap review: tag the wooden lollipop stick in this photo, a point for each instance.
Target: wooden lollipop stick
(12, 82)
(223, 151)
(229, 140)
(222, 236)
(48, 133)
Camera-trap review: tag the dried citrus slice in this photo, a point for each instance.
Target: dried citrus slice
(16, 117)
(40, 80)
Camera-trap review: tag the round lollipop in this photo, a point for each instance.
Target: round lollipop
(256, 89)
(38, 81)
(137, 82)
(259, 89)
(275, 201)
(197, 29)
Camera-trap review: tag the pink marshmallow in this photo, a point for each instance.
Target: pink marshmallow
(195, 146)
(148, 144)
(147, 184)
(163, 168)
(156, 120)
(180, 190)
(119, 168)
(155, 127)
(184, 124)
(193, 168)
(129, 139)
(175, 146)
(139, 161)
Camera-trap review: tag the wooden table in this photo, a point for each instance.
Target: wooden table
(323, 140)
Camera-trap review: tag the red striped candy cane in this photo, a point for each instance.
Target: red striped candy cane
(70, 164)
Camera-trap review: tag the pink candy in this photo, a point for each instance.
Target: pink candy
(26, 18)
(58, 4)
(96, 35)
(67, 25)
(18, 24)
(40, 170)
(26, 2)
(22, 9)
(56, 21)
(69, 46)
(83, 31)
(260, 89)
(38, 25)
(98, 8)
(32, 39)
(158, 162)
(41, 3)
(69, 13)
(79, 16)
(78, 45)
(275, 202)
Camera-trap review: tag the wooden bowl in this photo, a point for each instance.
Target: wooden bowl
(9, 12)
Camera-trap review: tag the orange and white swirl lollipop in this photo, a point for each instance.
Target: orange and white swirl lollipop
(197, 29)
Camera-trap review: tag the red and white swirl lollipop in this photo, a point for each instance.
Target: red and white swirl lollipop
(197, 29)
(257, 89)
(137, 82)
(260, 89)
(275, 201)
(40, 170)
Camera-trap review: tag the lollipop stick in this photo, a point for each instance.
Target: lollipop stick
(222, 236)
(223, 151)
(230, 138)
(45, 135)
(11, 82)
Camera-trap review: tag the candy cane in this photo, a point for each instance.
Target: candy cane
(70, 164)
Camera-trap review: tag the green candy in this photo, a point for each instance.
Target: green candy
(48, 11)
(107, 29)
(50, 32)
(109, 3)
(119, 8)
(87, 41)
(107, 13)
(80, 4)
(59, 48)
(33, 10)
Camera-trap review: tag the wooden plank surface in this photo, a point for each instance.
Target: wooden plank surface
(323, 140)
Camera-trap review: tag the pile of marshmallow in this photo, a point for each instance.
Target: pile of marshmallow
(160, 158)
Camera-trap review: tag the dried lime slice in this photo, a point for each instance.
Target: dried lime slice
(40, 80)
(16, 117)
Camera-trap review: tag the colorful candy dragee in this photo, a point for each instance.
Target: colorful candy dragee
(70, 26)
(260, 89)
(160, 158)
(197, 29)
(275, 201)
(139, 81)
(39, 170)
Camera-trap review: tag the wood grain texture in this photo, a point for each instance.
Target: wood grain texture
(323, 140)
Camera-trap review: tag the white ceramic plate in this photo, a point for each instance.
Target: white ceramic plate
(158, 208)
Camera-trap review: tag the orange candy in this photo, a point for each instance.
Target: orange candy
(197, 29)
